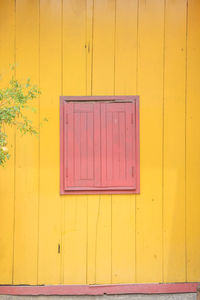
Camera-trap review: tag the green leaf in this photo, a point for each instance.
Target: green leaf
(14, 102)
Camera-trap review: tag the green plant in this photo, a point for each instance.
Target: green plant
(15, 99)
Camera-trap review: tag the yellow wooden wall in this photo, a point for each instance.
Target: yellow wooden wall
(104, 47)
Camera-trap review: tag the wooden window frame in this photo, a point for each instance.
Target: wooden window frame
(64, 99)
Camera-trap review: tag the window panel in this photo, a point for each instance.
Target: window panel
(99, 144)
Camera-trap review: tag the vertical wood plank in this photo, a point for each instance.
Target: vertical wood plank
(126, 47)
(123, 239)
(193, 142)
(74, 83)
(101, 241)
(103, 47)
(49, 263)
(174, 141)
(89, 44)
(75, 233)
(123, 206)
(99, 207)
(74, 47)
(27, 150)
(150, 89)
(7, 57)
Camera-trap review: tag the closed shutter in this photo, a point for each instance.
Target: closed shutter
(100, 146)
(118, 145)
(82, 145)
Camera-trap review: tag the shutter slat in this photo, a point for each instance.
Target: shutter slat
(97, 145)
(70, 144)
(122, 145)
(115, 147)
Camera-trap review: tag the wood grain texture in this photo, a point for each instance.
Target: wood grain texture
(150, 88)
(27, 162)
(74, 83)
(7, 174)
(123, 206)
(49, 261)
(75, 234)
(99, 207)
(174, 251)
(104, 47)
(193, 142)
(97, 290)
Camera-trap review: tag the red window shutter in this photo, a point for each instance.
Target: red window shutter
(82, 145)
(118, 145)
(100, 145)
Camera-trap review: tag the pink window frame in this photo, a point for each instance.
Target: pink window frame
(64, 99)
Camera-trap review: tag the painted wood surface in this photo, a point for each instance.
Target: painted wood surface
(150, 87)
(192, 142)
(26, 159)
(49, 201)
(174, 172)
(104, 47)
(74, 229)
(7, 175)
(111, 131)
(94, 290)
